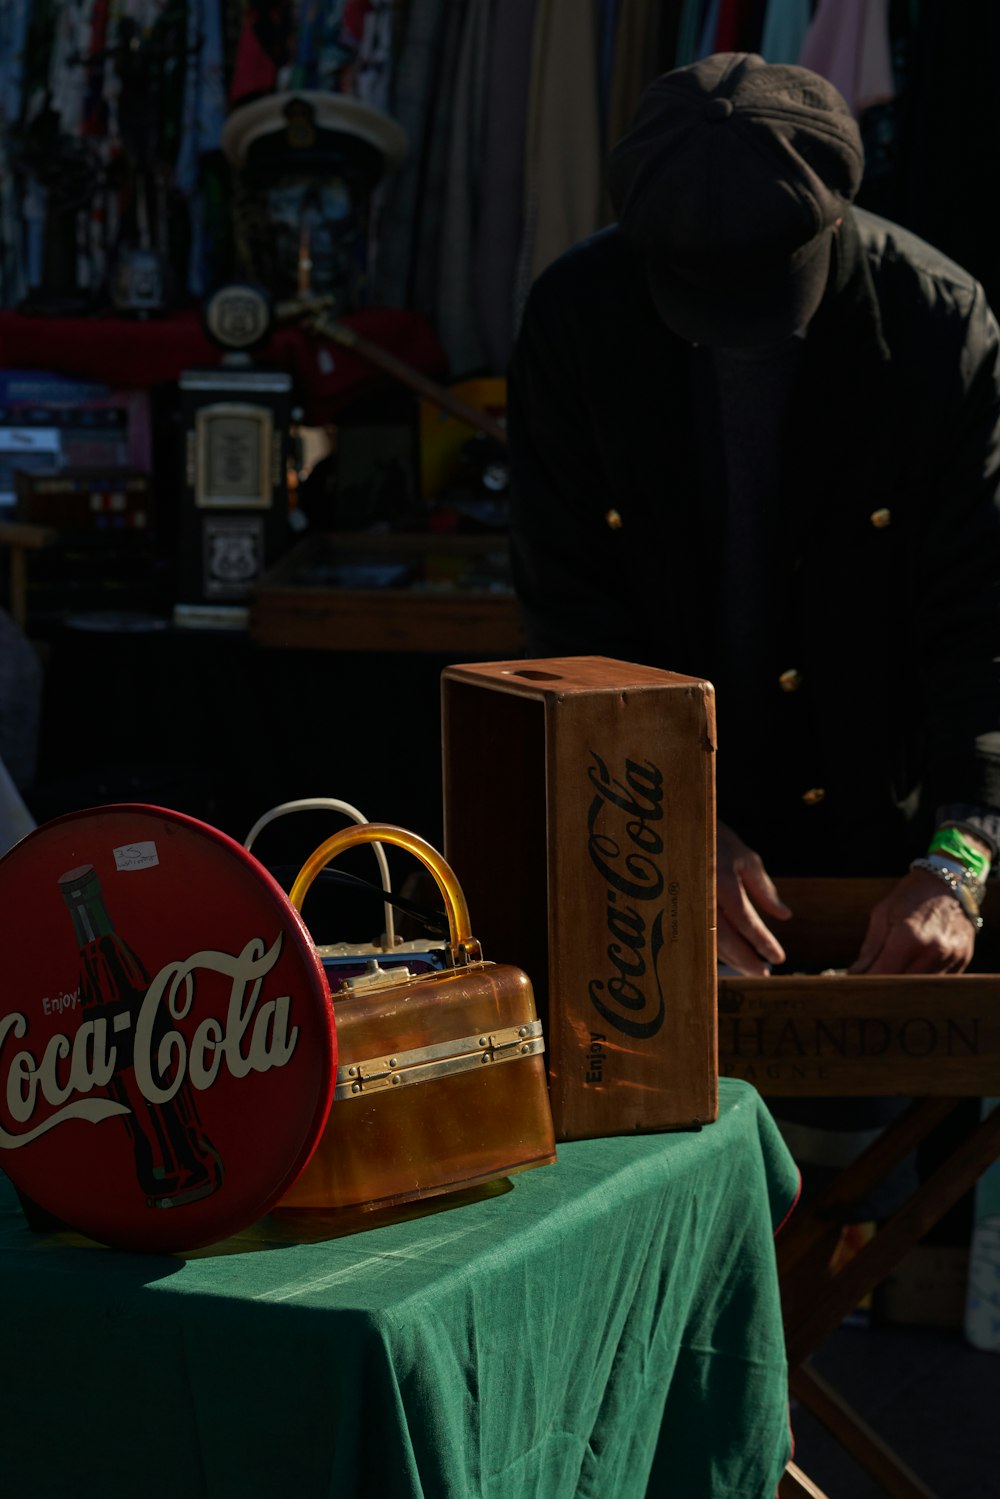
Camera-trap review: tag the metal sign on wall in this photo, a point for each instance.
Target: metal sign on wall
(167, 1043)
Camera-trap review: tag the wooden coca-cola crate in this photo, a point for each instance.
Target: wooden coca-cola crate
(579, 804)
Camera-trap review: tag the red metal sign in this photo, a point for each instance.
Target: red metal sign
(167, 1043)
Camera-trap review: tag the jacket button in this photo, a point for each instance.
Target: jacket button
(813, 796)
(881, 518)
(790, 680)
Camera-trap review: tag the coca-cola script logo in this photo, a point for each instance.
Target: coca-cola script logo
(625, 841)
(254, 1038)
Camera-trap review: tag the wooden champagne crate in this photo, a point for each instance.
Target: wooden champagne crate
(579, 811)
(814, 1029)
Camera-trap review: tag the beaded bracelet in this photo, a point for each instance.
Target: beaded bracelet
(959, 888)
(976, 887)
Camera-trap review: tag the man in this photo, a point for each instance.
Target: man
(755, 437)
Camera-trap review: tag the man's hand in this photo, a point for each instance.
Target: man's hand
(745, 890)
(918, 928)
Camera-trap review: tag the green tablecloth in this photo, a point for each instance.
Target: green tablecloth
(609, 1320)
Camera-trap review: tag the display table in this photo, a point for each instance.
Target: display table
(592, 1322)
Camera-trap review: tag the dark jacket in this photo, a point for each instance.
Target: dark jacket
(885, 590)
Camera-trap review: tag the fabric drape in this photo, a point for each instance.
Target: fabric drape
(848, 43)
(501, 195)
(563, 158)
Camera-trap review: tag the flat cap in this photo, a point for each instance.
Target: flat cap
(731, 179)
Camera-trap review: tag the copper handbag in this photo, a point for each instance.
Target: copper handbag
(441, 1081)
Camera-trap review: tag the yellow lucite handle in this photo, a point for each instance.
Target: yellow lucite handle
(462, 940)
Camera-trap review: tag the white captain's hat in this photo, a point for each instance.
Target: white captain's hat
(311, 128)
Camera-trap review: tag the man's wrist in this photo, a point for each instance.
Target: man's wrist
(966, 890)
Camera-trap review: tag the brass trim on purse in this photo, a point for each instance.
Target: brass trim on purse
(424, 1062)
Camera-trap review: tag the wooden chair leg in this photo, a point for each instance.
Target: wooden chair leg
(796, 1485)
(856, 1437)
(806, 1245)
(805, 1331)
(852, 1184)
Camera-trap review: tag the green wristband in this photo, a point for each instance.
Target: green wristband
(954, 844)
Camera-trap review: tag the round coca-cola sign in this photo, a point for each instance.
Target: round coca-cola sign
(167, 1043)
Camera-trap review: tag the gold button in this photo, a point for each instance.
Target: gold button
(813, 796)
(881, 518)
(790, 680)
(614, 520)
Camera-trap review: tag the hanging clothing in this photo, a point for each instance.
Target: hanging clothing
(786, 23)
(671, 14)
(266, 38)
(501, 194)
(564, 160)
(68, 81)
(327, 36)
(12, 272)
(454, 310)
(13, 37)
(709, 26)
(303, 70)
(689, 32)
(201, 126)
(416, 83)
(354, 22)
(848, 43)
(232, 25)
(739, 25)
(204, 92)
(434, 165)
(94, 120)
(326, 54)
(637, 61)
(372, 75)
(727, 28)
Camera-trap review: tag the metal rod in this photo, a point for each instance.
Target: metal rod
(318, 317)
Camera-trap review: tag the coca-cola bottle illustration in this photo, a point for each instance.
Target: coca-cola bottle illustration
(175, 1161)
